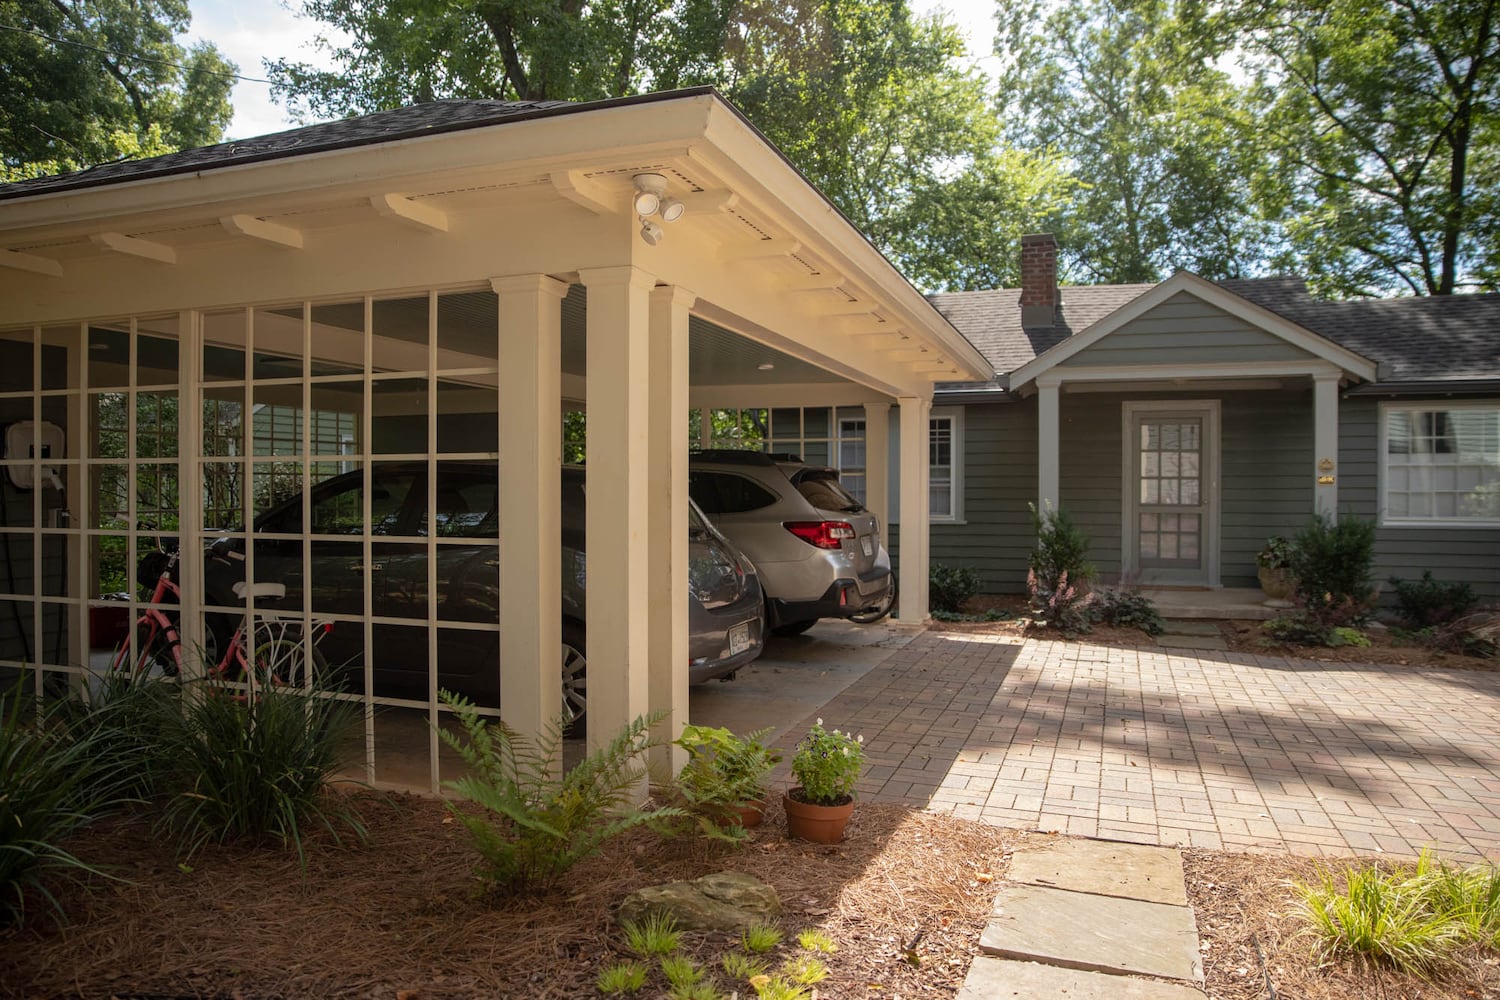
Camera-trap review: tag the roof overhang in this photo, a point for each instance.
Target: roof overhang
(787, 237)
(1322, 350)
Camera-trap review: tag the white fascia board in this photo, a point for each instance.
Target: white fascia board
(774, 187)
(648, 130)
(1156, 373)
(783, 394)
(1185, 281)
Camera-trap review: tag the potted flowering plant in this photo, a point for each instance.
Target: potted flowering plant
(1274, 570)
(826, 765)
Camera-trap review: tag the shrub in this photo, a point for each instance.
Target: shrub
(723, 773)
(1333, 563)
(1058, 575)
(539, 820)
(1428, 603)
(256, 764)
(1126, 607)
(948, 587)
(55, 779)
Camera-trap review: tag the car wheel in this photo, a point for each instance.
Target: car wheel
(794, 628)
(880, 610)
(574, 679)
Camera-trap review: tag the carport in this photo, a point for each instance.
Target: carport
(216, 330)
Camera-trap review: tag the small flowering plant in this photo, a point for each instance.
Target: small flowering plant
(827, 764)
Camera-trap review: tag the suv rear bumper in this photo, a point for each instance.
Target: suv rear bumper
(845, 597)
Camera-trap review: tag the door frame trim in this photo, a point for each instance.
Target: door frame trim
(1209, 410)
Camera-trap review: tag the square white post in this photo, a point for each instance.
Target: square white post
(620, 534)
(530, 332)
(1048, 446)
(667, 487)
(878, 463)
(916, 446)
(1326, 444)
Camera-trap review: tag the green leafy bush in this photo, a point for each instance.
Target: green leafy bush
(1334, 562)
(56, 777)
(1057, 579)
(948, 587)
(1126, 607)
(1278, 553)
(540, 820)
(1428, 602)
(827, 765)
(256, 763)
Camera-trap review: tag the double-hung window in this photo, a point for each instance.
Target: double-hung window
(1440, 464)
(945, 430)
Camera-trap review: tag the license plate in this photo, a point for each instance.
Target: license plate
(868, 544)
(739, 638)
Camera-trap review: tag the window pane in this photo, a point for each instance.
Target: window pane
(1442, 464)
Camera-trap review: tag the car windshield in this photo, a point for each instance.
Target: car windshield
(821, 489)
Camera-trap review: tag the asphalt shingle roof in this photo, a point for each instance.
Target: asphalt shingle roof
(1428, 339)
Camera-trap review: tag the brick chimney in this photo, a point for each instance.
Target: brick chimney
(1039, 296)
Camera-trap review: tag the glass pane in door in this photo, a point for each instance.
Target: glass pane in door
(1169, 515)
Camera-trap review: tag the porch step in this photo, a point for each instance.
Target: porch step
(1223, 604)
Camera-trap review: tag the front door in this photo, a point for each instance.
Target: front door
(1171, 493)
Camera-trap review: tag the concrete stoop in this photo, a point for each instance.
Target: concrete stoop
(1081, 919)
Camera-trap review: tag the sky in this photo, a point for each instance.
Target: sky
(247, 31)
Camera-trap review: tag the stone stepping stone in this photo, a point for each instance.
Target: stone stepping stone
(999, 979)
(1180, 626)
(1129, 871)
(1079, 930)
(1190, 641)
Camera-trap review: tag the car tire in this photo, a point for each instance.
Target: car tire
(790, 629)
(574, 679)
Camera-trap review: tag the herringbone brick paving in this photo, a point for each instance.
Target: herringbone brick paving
(1184, 748)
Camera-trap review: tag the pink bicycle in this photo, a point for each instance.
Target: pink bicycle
(279, 655)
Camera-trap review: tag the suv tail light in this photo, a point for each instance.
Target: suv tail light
(823, 534)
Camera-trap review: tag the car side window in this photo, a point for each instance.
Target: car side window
(342, 512)
(825, 493)
(467, 505)
(727, 493)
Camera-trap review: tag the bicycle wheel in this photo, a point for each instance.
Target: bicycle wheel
(152, 648)
(283, 660)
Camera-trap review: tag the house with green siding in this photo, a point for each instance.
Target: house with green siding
(1182, 423)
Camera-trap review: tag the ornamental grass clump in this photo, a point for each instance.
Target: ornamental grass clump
(827, 765)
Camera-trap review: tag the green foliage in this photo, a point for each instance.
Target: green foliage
(681, 971)
(256, 763)
(990, 615)
(805, 969)
(827, 765)
(1428, 602)
(539, 821)
(738, 965)
(760, 938)
(1126, 607)
(1277, 554)
(655, 934)
(1058, 574)
(948, 587)
(57, 776)
(778, 988)
(813, 939)
(723, 773)
(695, 991)
(621, 978)
(91, 83)
(1412, 918)
(1333, 563)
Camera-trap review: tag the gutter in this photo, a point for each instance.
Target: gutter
(1438, 387)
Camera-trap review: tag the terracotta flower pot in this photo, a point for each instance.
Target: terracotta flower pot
(819, 824)
(748, 815)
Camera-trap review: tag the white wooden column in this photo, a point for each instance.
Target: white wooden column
(530, 335)
(619, 532)
(877, 463)
(915, 469)
(1048, 446)
(667, 488)
(1326, 444)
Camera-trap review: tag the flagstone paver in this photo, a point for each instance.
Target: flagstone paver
(1219, 750)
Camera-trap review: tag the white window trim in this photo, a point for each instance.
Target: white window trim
(1385, 520)
(956, 415)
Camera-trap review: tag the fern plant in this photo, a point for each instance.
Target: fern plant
(537, 825)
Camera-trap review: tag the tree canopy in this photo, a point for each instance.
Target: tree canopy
(88, 81)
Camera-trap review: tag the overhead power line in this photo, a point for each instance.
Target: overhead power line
(120, 57)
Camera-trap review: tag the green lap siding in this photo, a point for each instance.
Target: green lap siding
(1185, 330)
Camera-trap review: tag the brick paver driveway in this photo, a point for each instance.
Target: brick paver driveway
(1217, 750)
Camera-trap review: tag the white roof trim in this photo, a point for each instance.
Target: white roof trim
(1185, 281)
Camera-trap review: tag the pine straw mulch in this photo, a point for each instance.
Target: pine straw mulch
(905, 897)
(1252, 948)
(1386, 646)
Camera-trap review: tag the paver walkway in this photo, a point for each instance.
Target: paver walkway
(1184, 747)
